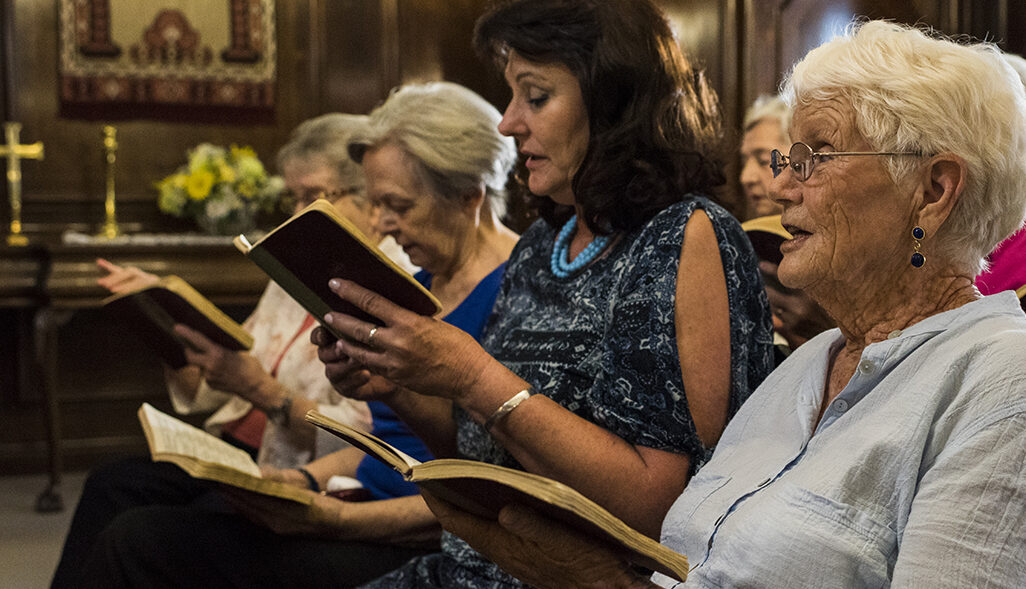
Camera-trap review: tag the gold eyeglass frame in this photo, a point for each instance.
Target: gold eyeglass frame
(803, 168)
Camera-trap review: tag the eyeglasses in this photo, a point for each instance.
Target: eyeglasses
(802, 160)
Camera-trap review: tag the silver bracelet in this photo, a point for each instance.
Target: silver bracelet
(508, 406)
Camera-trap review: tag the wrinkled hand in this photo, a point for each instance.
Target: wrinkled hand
(224, 369)
(319, 519)
(538, 550)
(420, 353)
(121, 279)
(348, 377)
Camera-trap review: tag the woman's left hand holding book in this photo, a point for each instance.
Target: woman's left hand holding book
(226, 370)
(118, 279)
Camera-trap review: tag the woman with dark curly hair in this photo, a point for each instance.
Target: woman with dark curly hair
(631, 323)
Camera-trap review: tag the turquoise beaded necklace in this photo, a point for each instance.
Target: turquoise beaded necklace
(561, 251)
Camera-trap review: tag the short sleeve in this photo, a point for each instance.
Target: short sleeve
(639, 393)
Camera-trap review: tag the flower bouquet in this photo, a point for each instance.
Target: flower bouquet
(222, 189)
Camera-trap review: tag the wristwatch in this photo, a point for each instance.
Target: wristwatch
(280, 415)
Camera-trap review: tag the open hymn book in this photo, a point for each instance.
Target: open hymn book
(208, 457)
(153, 310)
(318, 244)
(483, 489)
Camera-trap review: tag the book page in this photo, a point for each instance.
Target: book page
(169, 435)
(369, 443)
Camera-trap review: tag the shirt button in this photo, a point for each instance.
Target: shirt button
(720, 519)
(841, 405)
(866, 367)
(763, 483)
(894, 334)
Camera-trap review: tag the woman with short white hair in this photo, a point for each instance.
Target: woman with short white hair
(888, 451)
(454, 152)
(765, 129)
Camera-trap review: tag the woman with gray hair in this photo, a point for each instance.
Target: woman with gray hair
(888, 451)
(434, 169)
(257, 399)
(765, 129)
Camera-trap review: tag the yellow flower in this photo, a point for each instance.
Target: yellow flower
(242, 152)
(246, 189)
(225, 171)
(198, 184)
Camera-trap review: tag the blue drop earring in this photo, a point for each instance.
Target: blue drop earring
(918, 259)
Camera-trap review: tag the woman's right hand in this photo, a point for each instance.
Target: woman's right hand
(349, 378)
(418, 353)
(538, 550)
(121, 279)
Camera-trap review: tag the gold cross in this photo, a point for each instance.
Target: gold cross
(14, 152)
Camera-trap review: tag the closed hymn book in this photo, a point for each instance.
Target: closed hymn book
(152, 311)
(208, 457)
(483, 489)
(318, 244)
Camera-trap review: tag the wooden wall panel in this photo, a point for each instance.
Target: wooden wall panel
(5, 56)
(356, 53)
(708, 31)
(777, 33)
(333, 55)
(68, 186)
(435, 37)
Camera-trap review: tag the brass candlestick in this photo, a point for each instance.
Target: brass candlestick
(15, 152)
(110, 147)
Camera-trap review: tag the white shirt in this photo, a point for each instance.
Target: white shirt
(914, 476)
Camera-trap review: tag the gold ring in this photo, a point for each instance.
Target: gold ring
(370, 336)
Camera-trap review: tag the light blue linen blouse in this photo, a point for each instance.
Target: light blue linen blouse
(915, 476)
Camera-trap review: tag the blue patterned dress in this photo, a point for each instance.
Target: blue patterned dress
(602, 343)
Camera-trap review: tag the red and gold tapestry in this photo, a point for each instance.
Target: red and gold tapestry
(189, 60)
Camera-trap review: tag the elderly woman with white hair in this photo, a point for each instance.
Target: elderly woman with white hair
(888, 451)
(436, 169)
(765, 129)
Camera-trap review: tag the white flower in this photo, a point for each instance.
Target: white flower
(226, 203)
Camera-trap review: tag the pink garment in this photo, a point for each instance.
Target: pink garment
(1007, 266)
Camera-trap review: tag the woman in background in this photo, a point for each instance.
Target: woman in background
(436, 170)
(765, 129)
(258, 398)
(631, 322)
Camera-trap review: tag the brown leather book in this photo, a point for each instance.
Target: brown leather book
(318, 244)
(152, 311)
(483, 489)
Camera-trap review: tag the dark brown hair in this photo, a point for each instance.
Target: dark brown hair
(654, 121)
